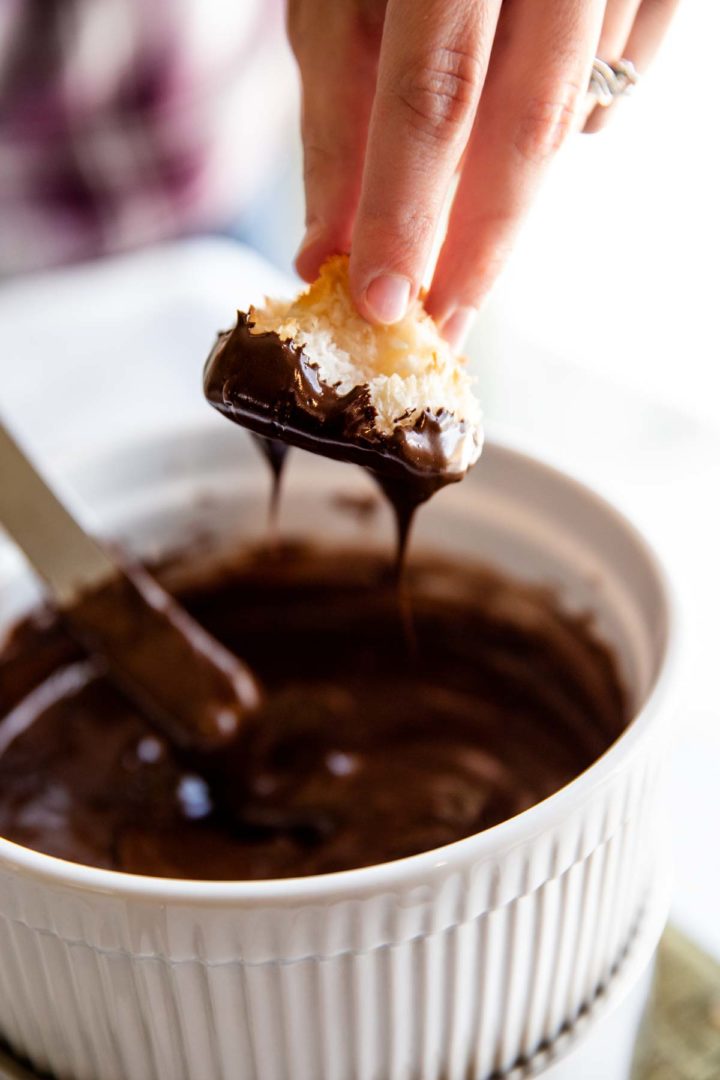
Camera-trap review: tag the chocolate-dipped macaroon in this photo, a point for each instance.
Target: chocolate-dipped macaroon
(313, 373)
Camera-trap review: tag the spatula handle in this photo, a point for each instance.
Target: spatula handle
(57, 547)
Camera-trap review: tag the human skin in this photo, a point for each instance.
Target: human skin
(404, 98)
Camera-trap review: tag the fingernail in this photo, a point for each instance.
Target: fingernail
(456, 327)
(387, 297)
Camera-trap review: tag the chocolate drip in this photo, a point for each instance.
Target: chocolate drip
(405, 500)
(359, 753)
(275, 453)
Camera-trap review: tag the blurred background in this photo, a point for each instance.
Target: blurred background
(150, 183)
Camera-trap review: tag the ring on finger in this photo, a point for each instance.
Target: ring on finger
(611, 81)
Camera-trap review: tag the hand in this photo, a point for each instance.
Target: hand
(399, 96)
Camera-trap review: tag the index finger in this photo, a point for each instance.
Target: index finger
(433, 60)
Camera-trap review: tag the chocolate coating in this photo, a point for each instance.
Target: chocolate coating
(360, 754)
(271, 387)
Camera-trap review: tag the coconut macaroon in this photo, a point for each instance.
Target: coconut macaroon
(312, 372)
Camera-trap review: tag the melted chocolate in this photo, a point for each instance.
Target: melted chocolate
(271, 387)
(360, 753)
(275, 453)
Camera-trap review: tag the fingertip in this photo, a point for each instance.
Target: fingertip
(463, 278)
(386, 298)
(597, 120)
(456, 326)
(306, 266)
(315, 247)
(381, 291)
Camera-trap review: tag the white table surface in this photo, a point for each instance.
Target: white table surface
(89, 355)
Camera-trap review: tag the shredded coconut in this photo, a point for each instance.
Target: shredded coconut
(408, 367)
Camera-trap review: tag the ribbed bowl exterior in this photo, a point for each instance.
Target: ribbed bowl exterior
(452, 965)
(460, 970)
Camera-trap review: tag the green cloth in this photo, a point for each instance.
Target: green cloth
(680, 1038)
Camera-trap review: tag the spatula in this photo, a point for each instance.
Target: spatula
(194, 690)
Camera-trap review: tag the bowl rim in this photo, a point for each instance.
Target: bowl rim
(411, 870)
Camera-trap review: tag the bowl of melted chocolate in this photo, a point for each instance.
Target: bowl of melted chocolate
(445, 766)
(391, 725)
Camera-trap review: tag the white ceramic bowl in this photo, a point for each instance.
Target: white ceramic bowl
(455, 963)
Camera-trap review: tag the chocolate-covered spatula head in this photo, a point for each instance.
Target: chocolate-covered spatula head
(188, 684)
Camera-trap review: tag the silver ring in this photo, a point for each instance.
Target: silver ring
(611, 81)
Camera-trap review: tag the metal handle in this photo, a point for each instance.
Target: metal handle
(54, 543)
